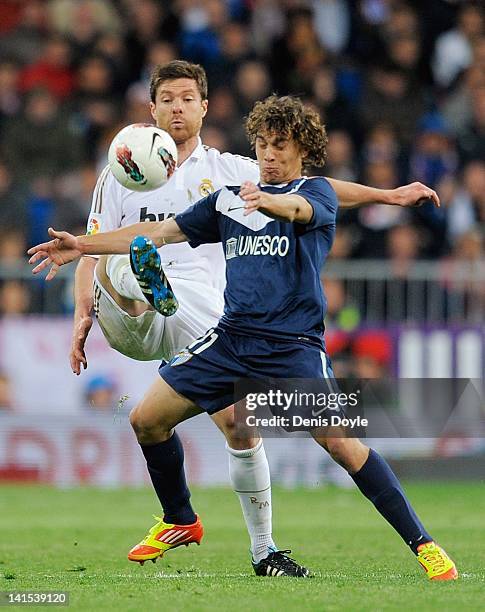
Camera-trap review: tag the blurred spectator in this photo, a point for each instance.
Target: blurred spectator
(201, 27)
(457, 107)
(372, 352)
(83, 21)
(334, 109)
(111, 47)
(340, 156)
(73, 194)
(22, 43)
(235, 49)
(464, 279)
(13, 247)
(6, 394)
(9, 93)
(296, 52)
(341, 312)
(474, 183)
(41, 141)
(433, 154)
(99, 15)
(147, 22)
(457, 205)
(453, 49)
(213, 136)
(223, 113)
(136, 110)
(382, 145)
(253, 82)
(343, 243)
(376, 220)
(471, 139)
(158, 52)
(14, 298)
(94, 101)
(332, 23)
(12, 200)
(403, 248)
(391, 96)
(100, 393)
(267, 23)
(52, 71)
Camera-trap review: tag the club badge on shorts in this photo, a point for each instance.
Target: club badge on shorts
(181, 358)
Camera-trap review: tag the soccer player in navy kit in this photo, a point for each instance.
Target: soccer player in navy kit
(276, 237)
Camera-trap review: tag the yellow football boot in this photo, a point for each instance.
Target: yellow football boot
(436, 563)
(165, 536)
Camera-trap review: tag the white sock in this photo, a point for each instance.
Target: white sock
(119, 272)
(250, 479)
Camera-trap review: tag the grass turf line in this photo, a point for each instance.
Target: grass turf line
(76, 540)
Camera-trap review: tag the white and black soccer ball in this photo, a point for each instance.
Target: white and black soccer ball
(142, 157)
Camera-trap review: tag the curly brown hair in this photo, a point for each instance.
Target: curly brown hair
(178, 69)
(289, 117)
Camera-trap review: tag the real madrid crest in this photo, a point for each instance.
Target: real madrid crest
(206, 187)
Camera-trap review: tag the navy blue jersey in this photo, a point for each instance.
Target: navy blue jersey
(273, 285)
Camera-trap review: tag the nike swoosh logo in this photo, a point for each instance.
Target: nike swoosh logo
(234, 208)
(316, 413)
(155, 135)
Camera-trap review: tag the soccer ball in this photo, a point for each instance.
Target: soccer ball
(142, 157)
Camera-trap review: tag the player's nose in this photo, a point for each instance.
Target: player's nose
(177, 106)
(269, 154)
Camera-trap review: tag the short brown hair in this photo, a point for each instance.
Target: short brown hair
(287, 116)
(178, 69)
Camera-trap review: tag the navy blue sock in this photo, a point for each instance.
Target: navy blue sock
(165, 462)
(378, 483)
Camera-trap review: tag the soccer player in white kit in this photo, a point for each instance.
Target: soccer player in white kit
(178, 104)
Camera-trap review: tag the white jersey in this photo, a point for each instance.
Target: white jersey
(205, 171)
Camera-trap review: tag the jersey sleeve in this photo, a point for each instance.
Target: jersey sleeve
(322, 198)
(239, 168)
(200, 222)
(105, 214)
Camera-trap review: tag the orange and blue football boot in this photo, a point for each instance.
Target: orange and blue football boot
(165, 536)
(436, 563)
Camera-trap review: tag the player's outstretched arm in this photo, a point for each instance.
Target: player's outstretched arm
(83, 306)
(284, 207)
(65, 247)
(353, 195)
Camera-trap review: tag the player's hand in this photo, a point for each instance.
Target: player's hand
(253, 197)
(77, 356)
(414, 194)
(62, 250)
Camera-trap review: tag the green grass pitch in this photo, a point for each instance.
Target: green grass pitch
(76, 540)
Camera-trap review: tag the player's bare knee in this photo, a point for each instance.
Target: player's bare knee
(147, 429)
(237, 436)
(350, 453)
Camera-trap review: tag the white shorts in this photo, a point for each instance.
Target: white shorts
(151, 335)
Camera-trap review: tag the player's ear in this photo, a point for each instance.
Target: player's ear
(205, 104)
(304, 154)
(152, 111)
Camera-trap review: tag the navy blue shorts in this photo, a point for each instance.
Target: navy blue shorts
(206, 371)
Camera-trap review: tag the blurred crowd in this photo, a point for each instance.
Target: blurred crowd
(400, 85)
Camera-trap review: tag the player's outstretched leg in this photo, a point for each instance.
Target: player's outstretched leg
(153, 419)
(147, 268)
(250, 478)
(376, 480)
